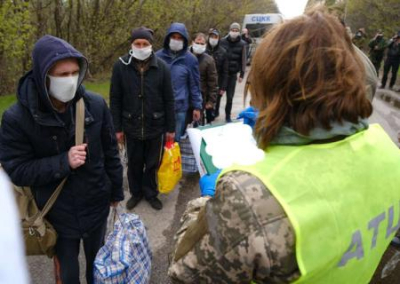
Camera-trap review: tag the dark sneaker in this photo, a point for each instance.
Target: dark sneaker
(155, 203)
(381, 86)
(228, 120)
(132, 202)
(216, 114)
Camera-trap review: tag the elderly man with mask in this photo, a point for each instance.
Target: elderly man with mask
(37, 150)
(185, 76)
(221, 61)
(236, 49)
(142, 106)
(208, 76)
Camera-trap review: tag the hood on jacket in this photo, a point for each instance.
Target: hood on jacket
(46, 52)
(180, 29)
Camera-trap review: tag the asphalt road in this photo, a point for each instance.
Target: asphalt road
(387, 113)
(161, 225)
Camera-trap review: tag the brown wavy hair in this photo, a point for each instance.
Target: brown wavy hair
(304, 74)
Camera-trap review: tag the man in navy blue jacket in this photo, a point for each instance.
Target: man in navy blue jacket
(185, 76)
(37, 149)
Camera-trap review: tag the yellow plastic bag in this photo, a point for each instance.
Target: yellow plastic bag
(170, 171)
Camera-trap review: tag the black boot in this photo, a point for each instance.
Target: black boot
(155, 203)
(132, 202)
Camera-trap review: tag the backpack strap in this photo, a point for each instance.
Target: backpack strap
(79, 130)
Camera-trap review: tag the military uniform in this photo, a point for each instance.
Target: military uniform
(359, 41)
(376, 53)
(222, 244)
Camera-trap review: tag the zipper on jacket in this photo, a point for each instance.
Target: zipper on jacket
(142, 97)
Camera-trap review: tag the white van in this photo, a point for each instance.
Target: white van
(258, 25)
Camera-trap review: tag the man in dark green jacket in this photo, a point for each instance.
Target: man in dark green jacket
(377, 48)
(142, 106)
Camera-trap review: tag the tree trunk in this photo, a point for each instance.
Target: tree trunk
(57, 17)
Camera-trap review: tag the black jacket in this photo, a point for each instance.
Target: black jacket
(35, 140)
(221, 61)
(208, 78)
(142, 103)
(393, 53)
(236, 50)
(247, 39)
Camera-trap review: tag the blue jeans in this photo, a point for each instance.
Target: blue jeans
(180, 118)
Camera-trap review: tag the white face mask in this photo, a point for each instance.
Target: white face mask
(63, 88)
(213, 42)
(175, 45)
(198, 48)
(234, 34)
(141, 53)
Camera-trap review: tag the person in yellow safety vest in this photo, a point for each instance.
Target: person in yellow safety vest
(324, 203)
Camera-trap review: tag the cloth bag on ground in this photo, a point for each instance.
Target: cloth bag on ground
(170, 171)
(126, 255)
(39, 235)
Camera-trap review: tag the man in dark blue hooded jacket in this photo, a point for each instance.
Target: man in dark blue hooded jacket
(185, 76)
(37, 150)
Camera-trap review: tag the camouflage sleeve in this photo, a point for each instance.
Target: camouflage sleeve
(240, 235)
(190, 215)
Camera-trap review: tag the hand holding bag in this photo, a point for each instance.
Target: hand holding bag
(39, 235)
(170, 171)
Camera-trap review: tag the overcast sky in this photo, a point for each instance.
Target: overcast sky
(291, 8)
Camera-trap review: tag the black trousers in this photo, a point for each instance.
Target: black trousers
(390, 64)
(144, 158)
(377, 64)
(67, 252)
(230, 92)
(217, 105)
(220, 80)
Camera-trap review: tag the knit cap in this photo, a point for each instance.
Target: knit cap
(142, 33)
(234, 26)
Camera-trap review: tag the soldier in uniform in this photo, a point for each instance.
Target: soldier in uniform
(360, 38)
(377, 49)
(327, 181)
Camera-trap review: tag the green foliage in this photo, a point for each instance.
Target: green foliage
(15, 36)
(6, 102)
(102, 88)
(374, 15)
(100, 29)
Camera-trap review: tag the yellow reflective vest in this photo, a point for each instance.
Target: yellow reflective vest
(342, 199)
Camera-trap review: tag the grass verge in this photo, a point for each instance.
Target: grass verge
(102, 88)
